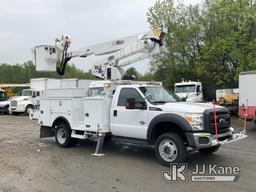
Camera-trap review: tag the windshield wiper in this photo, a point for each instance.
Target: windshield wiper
(159, 102)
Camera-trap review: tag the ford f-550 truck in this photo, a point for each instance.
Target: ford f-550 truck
(134, 113)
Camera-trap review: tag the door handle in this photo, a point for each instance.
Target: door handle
(115, 113)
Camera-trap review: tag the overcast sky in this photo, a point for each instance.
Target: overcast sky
(26, 23)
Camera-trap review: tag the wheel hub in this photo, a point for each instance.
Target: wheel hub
(168, 150)
(61, 135)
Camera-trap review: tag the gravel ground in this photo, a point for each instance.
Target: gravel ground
(30, 164)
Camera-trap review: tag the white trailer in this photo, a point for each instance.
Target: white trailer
(247, 95)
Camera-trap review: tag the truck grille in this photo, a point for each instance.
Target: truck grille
(13, 103)
(223, 120)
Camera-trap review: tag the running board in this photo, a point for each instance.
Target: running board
(127, 140)
(235, 137)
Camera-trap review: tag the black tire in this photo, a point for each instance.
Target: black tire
(63, 136)
(209, 150)
(29, 107)
(167, 141)
(6, 110)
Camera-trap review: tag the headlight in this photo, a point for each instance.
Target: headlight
(195, 120)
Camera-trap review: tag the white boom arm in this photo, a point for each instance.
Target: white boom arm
(131, 49)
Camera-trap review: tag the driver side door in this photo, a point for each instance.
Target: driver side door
(129, 122)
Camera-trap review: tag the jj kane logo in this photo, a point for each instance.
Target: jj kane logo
(201, 173)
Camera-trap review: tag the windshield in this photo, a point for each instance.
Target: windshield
(26, 93)
(158, 95)
(185, 88)
(2, 96)
(95, 91)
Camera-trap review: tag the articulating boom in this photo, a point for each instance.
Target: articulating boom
(121, 53)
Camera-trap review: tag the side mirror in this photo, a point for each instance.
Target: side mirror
(132, 104)
(33, 94)
(198, 90)
(149, 97)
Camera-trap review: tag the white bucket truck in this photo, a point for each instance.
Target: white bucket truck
(29, 97)
(141, 113)
(190, 91)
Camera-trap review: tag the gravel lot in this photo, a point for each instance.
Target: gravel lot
(30, 164)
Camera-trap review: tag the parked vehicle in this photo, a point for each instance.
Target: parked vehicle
(134, 113)
(190, 91)
(4, 105)
(7, 91)
(129, 112)
(29, 97)
(228, 98)
(247, 95)
(13, 89)
(2, 95)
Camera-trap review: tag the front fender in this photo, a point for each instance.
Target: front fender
(168, 118)
(26, 103)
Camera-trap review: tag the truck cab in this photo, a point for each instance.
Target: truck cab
(26, 102)
(189, 91)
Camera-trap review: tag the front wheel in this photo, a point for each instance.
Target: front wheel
(170, 148)
(63, 137)
(28, 109)
(6, 110)
(209, 150)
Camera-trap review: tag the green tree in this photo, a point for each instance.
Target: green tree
(132, 73)
(22, 73)
(212, 42)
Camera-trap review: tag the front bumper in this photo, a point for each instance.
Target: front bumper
(18, 109)
(200, 140)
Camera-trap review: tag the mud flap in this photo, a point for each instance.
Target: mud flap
(46, 132)
(235, 137)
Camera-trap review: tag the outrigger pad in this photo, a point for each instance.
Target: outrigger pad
(99, 146)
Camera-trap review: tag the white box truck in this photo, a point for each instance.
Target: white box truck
(247, 95)
(29, 97)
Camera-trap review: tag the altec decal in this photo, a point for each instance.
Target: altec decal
(118, 42)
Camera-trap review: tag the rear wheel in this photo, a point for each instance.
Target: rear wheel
(63, 136)
(209, 150)
(170, 148)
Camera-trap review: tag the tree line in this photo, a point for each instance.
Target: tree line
(211, 42)
(23, 73)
